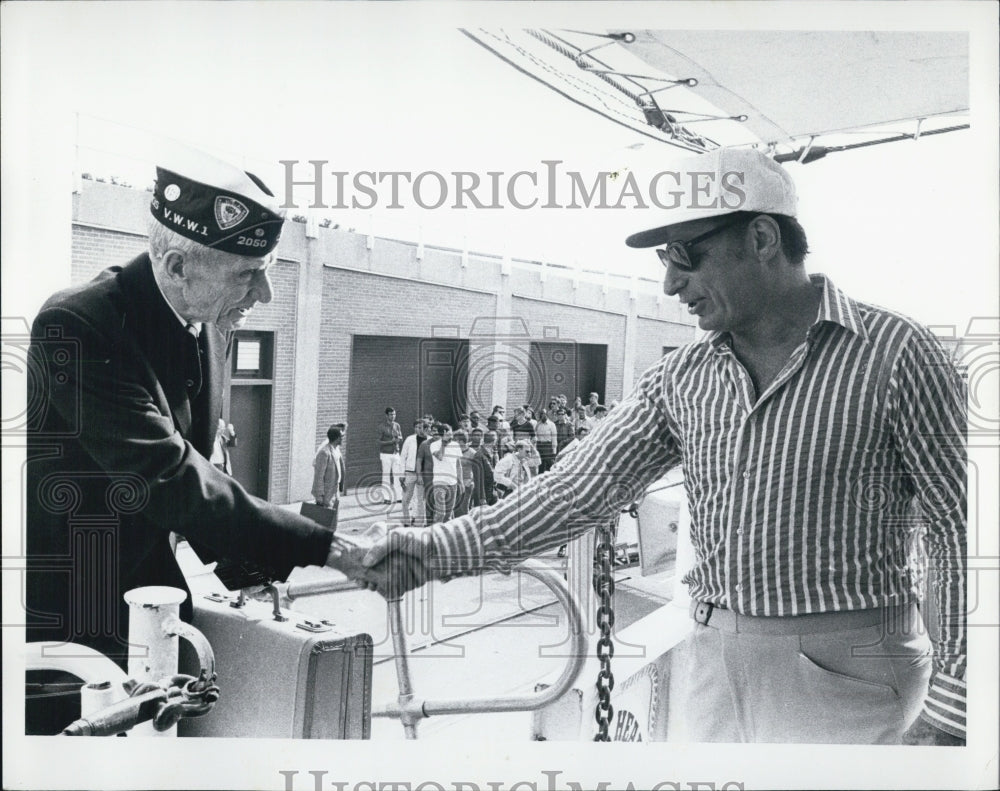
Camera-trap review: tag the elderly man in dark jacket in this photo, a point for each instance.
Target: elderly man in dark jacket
(127, 379)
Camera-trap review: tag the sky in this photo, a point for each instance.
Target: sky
(106, 87)
(373, 90)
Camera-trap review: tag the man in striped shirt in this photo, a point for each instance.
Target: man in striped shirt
(808, 425)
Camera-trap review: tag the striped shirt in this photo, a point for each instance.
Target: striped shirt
(801, 500)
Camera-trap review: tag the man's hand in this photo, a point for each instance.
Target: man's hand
(400, 560)
(395, 574)
(348, 560)
(922, 733)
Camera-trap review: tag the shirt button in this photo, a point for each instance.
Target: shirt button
(190, 383)
(739, 587)
(739, 531)
(746, 475)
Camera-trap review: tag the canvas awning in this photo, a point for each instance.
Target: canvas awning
(792, 84)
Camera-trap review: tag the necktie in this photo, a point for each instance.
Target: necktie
(193, 359)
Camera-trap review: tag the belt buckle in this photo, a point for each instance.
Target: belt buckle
(703, 612)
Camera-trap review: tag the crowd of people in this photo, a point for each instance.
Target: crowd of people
(439, 471)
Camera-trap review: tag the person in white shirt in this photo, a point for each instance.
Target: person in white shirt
(466, 474)
(545, 440)
(390, 437)
(445, 454)
(513, 470)
(412, 483)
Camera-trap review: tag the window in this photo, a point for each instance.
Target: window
(253, 355)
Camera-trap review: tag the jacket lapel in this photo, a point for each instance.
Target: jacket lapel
(166, 346)
(208, 406)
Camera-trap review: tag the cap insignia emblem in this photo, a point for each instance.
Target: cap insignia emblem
(229, 212)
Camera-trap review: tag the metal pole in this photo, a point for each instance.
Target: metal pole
(402, 666)
(410, 709)
(580, 578)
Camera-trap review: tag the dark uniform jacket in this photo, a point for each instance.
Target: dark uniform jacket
(124, 406)
(485, 486)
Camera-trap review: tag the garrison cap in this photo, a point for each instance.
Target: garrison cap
(218, 205)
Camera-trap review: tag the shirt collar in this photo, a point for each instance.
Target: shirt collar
(184, 322)
(834, 306)
(838, 308)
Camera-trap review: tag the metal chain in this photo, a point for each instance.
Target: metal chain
(604, 584)
(186, 696)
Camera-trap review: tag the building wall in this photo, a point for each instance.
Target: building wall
(362, 303)
(279, 317)
(331, 285)
(95, 249)
(653, 336)
(554, 321)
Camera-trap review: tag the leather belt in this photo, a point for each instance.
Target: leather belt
(726, 620)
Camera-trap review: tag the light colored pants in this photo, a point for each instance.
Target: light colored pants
(443, 498)
(392, 476)
(853, 686)
(413, 491)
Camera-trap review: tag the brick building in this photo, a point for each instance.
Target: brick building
(359, 323)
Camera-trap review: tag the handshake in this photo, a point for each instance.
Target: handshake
(390, 560)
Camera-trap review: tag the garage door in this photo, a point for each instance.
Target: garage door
(415, 376)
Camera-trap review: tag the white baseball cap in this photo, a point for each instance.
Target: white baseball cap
(721, 182)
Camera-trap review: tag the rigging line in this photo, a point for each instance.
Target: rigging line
(879, 128)
(700, 118)
(643, 99)
(614, 36)
(633, 127)
(563, 48)
(708, 80)
(627, 38)
(645, 91)
(822, 151)
(902, 136)
(574, 79)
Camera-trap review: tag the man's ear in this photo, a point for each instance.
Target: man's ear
(765, 238)
(174, 265)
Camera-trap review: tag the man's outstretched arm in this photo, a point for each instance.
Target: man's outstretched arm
(585, 489)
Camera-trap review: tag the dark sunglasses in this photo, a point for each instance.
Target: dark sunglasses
(679, 253)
